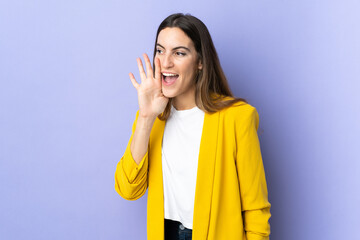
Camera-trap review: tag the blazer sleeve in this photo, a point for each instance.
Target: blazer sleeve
(251, 174)
(131, 178)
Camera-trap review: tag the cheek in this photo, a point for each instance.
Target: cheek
(189, 70)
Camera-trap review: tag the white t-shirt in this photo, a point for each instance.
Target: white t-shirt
(180, 153)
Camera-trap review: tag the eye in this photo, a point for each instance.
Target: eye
(180, 53)
(159, 51)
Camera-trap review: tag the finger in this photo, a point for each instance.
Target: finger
(133, 81)
(149, 70)
(157, 69)
(141, 69)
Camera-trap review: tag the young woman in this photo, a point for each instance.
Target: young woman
(193, 145)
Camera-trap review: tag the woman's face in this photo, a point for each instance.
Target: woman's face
(179, 63)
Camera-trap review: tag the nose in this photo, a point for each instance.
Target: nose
(167, 61)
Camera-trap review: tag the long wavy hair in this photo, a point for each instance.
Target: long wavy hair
(212, 89)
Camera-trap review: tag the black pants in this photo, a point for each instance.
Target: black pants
(174, 230)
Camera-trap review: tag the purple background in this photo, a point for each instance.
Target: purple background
(67, 106)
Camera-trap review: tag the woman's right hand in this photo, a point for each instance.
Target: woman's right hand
(152, 102)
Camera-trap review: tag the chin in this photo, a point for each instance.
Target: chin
(168, 94)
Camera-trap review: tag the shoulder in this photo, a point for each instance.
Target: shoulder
(240, 113)
(239, 108)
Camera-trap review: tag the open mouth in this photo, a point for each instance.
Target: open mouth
(169, 78)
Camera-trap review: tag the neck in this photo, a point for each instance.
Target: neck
(185, 102)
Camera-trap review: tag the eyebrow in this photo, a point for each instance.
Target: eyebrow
(175, 47)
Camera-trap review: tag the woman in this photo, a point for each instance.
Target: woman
(193, 145)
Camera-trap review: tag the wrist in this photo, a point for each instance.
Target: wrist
(148, 117)
(146, 121)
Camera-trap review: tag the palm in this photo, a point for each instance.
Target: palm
(151, 100)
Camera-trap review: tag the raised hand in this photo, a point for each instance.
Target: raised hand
(151, 100)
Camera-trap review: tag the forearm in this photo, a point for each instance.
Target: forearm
(140, 141)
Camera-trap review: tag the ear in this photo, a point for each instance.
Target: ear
(200, 66)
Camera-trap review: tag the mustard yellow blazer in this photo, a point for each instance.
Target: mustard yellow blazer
(231, 199)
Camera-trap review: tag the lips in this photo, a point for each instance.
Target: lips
(169, 78)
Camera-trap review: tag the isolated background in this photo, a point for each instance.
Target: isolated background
(67, 106)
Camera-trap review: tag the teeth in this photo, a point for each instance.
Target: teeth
(169, 74)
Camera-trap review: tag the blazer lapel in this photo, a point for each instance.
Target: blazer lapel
(155, 206)
(205, 176)
(204, 179)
